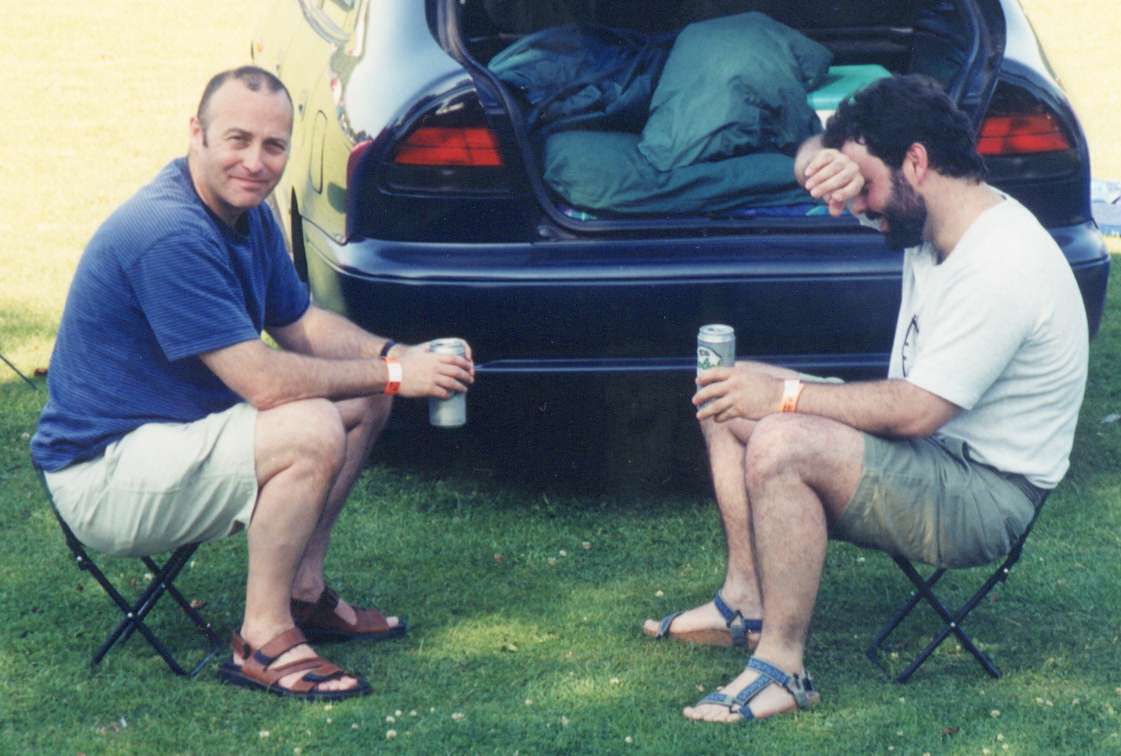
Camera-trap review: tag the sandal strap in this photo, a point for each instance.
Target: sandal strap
(302, 611)
(738, 625)
(800, 687)
(258, 663)
(279, 645)
(663, 626)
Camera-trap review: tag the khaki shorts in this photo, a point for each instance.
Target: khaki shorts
(928, 501)
(163, 485)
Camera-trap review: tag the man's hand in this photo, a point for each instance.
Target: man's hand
(739, 391)
(833, 177)
(427, 374)
(827, 174)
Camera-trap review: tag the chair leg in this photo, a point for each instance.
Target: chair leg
(873, 650)
(136, 612)
(951, 621)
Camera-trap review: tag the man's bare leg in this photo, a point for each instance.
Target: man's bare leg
(363, 421)
(727, 447)
(727, 454)
(802, 472)
(299, 451)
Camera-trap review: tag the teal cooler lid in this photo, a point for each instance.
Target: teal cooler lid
(841, 81)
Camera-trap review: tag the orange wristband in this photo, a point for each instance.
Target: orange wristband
(791, 391)
(393, 367)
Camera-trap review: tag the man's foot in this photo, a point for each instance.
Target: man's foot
(286, 665)
(760, 691)
(713, 624)
(329, 618)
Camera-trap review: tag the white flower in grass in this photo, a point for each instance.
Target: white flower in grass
(586, 546)
(659, 593)
(412, 713)
(263, 734)
(397, 713)
(529, 702)
(354, 726)
(390, 734)
(563, 553)
(458, 716)
(616, 681)
(390, 719)
(552, 561)
(994, 713)
(1075, 702)
(564, 721)
(999, 737)
(628, 740)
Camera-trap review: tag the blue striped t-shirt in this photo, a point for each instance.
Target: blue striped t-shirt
(162, 280)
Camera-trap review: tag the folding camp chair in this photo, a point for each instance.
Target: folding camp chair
(162, 580)
(951, 620)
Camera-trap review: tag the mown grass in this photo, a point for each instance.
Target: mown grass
(539, 651)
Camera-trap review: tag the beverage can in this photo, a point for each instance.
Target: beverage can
(716, 347)
(451, 412)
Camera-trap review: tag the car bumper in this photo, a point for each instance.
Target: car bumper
(822, 303)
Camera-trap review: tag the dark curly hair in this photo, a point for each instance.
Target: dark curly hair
(891, 114)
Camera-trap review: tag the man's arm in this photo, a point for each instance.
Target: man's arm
(267, 378)
(827, 174)
(321, 333)
(893, 408)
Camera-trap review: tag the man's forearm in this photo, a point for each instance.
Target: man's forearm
(805, 154)
(267, 378)
(892, 408)
(321, 333)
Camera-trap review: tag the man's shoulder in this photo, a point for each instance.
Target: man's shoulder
(165, 209)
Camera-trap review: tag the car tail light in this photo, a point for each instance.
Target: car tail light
(1019, 124)
(451, 149)
(1021, 135)
(440, 145)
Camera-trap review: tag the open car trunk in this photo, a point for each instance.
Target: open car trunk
(629, 113)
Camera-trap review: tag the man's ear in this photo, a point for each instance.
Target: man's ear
(197, 136)
(916, 163)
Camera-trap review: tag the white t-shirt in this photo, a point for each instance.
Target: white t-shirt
(999, 329)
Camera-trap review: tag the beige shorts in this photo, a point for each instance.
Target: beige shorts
(163, 485)
(929, 501)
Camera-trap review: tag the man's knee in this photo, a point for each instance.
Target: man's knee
(305, 433)
(778, 446)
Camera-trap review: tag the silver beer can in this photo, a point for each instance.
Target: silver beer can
(716, 347)
(451, 412)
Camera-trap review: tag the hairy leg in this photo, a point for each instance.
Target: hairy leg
(299, 452)
(363, 421)
(727, 456)
(802, 472)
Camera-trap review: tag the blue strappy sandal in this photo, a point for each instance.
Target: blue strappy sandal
(736, 635)
(801, 687)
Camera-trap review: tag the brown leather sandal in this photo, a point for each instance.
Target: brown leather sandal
(320, 623)
(258, 674)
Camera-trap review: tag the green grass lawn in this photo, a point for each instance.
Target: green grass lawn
(525, 598)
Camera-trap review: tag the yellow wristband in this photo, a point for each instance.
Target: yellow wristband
(791, 391)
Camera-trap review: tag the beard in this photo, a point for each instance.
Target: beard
(905, 213)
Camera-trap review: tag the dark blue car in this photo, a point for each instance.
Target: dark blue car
(423, 198)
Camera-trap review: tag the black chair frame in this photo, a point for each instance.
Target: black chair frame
(951, 621)
(162, 581)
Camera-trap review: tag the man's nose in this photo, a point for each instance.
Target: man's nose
(252, 159)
